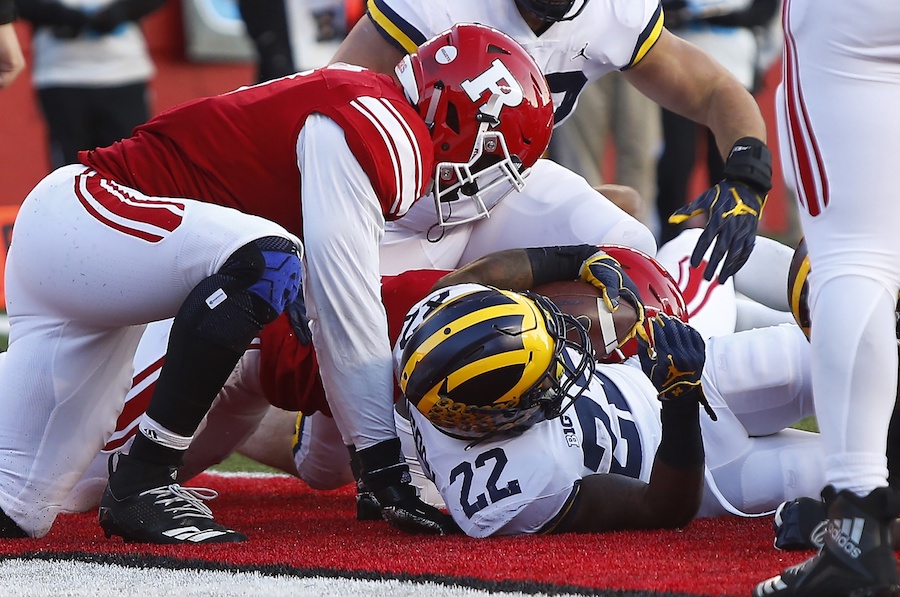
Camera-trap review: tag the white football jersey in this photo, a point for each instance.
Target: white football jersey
(520, 484)
(608, 35)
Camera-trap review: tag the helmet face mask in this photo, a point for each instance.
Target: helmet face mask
(494, 362)
(490, 114)
(552, 11)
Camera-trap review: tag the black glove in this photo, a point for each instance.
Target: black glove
(296, 311)
(385, 473)
(733, 208)
(673, 359)
(604, 272)
(800, 524)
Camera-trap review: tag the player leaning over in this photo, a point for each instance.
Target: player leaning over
(576, 42)
(200, 215)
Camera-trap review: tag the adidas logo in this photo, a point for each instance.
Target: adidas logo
(193, 534)
(846, 533)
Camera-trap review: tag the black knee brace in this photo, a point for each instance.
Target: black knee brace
(215, 325)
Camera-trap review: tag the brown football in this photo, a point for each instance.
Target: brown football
(580, 300)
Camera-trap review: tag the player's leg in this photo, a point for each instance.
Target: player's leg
(763, 376)
(839, 150)
(211, 330)
(320, 456)
(556, 207)
(758, 382)
(62, 391)
(237, 412)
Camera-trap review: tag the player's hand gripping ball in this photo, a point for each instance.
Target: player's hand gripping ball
(605, 273)
(673, 359)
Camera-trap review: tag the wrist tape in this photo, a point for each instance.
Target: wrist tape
(750, 162)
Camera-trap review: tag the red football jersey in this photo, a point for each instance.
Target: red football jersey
(239, 149)
(288, 370)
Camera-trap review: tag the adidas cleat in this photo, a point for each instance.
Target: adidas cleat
(169, 514)
(857, 556)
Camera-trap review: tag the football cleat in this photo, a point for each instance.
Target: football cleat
(9, 529)
(857, 557)
(168, 513)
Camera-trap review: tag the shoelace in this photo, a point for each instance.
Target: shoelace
(184, 502)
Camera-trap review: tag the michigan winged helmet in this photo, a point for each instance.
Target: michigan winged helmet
(491, 361)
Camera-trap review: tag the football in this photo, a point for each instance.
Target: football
(582, 301)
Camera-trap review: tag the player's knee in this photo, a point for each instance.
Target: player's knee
(269, 270)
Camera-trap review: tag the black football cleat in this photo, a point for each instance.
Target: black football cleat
(170, 514)
(165, 514)
(9, 529)
(857, 557)
(367, 505)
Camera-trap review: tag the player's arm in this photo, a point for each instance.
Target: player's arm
(672, 498)
(365, 46)
(612, 502)
(684, 79)
(522, 269)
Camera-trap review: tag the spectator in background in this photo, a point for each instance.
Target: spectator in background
(612, 106)
(91, 70)
(267, 26)
(727, 31)
(11, 59)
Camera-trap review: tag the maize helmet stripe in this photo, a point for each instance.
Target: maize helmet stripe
(435, 330)
(491, 361)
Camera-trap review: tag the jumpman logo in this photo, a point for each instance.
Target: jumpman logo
(581, 53)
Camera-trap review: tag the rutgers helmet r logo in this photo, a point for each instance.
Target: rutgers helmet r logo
(499, 81)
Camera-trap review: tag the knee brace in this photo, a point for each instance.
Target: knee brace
(216, 323)
(251, 289)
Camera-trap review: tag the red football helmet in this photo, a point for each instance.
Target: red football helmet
(658, 291)
(489, 110)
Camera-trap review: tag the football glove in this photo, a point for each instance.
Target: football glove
(733, 208)
(385, 473)
(800, 524)
(604, 272)
(673, 359)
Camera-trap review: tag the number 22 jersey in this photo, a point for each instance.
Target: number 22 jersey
(519, 484)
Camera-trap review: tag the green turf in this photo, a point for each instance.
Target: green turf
(238, 463)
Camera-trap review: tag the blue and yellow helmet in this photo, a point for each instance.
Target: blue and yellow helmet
(492, 361)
